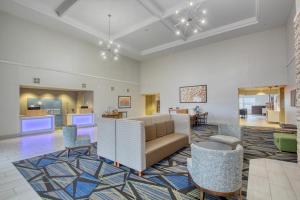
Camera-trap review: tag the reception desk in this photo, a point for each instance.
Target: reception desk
(81, 120)
(37, 124)
(273, 116)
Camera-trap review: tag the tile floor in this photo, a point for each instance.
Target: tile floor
(273, 180)
(260, 121)
(12, 184)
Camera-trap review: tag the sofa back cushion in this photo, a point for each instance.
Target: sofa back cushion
(161, 129)
(150, 132)
(169, 126)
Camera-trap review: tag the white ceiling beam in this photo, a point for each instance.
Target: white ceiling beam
(64, 6)
(153, 19)
(155, 11)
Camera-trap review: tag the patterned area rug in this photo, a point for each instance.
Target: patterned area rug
(54, 176)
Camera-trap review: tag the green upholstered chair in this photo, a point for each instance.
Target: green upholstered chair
(286, 142)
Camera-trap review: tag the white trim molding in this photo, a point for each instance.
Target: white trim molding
(48, 68)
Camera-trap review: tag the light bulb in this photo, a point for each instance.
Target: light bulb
(203, 21)
(116, 50)
(182, 20)
(204, 12)
(177, 32)
(191, 3)
(195, 31)
(116, 58)
(103, 53)
(111, 42)
(177, 12)
(100, 42)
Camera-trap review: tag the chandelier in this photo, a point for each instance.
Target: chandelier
(190, 20)
(109, 49)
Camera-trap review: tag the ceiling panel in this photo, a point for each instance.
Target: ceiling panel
(149, 36)
(45, 4)
(167, 4)
(94, 13)
(220, 13)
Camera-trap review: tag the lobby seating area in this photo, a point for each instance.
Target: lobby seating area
(147, 140)
(150, 100)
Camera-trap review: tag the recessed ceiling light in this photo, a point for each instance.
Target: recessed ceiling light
(204, 12)
(203, 21)
(116, 58)
(100, 42)
(176, 12)
(116, 50)
(191, 3)
(182, 20)
(177, 32)
(195, 31)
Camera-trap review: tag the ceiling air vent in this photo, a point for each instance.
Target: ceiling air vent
(83, 85)
(36, 80)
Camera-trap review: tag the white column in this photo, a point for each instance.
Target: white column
(297, 60)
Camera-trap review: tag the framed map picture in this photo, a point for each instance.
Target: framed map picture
(193, 94)
(124, 101)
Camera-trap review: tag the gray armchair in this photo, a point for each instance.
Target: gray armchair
(72, 141)
(229, 134)
(218, 172)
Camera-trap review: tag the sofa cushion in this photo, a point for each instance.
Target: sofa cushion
(161, 129)
(169, 126)
(150, 132)
(162, 147)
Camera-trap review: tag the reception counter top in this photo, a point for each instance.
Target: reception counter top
(37, 124)
(81, 120)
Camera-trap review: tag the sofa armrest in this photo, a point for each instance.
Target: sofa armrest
(106, 138)
(130, 144)
(182, 124)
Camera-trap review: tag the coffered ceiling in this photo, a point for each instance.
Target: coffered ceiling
(146, 27)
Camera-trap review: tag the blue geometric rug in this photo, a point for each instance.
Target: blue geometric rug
(54, 176)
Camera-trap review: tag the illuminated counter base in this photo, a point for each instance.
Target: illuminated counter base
(81, 120)
(37, 124)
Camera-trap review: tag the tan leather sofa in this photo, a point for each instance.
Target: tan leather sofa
(162, 141)
(142, 142)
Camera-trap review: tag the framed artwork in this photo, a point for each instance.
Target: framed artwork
(193, 94)
(293, 98)
(124, 101)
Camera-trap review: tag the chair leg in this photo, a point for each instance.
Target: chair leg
(240, 196)
(189, 178)
(140, 173)
(68, 152)
(89, 151)
(201, 195)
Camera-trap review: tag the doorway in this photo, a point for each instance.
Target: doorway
(262, 106)
(152, 104)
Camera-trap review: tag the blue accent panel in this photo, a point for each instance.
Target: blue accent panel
(84, 188)
(179, 182)
(53, 106)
